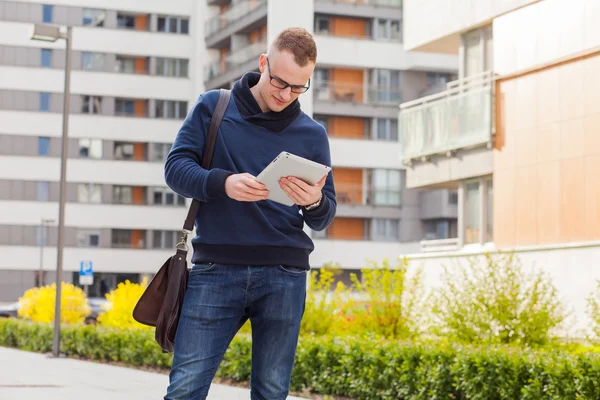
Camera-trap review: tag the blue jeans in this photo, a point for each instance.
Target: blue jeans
(218, 301)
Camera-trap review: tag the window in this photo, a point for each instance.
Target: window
(170, 109)
(46, 58)
(321, 25)
(125, 21)
(88, 239)
(42, 191)
(172, 67)
(44, 101)
(122, 195)
(123, 151)
(437, 230)
(47, 12)
(453, 198)
(387, 230)
(124, 107)
(387, 187)
(161, 151)
(387, 84)
(125, 64)
(472, 208)
(93, 17)
(91, 104)
(173, 25)
(489, 210)
(165, 196)
(386, 129)
(387, 29)
(90, 148)
(41, 235)
(164, 239)
(43, 146)
(89, 193)
(121, 238)
(92, 61)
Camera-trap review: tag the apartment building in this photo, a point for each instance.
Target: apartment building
(362, 75)
(517, 134)
(132, 83)
(137, 68)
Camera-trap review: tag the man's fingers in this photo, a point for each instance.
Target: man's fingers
(252, 182)
(321, 183)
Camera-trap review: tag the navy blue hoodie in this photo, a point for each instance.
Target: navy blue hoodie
(248, 233)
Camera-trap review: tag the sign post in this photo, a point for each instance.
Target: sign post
(86, 274)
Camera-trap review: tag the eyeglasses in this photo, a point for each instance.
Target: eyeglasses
(281, 84)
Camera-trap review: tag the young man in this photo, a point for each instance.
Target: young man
(250, 254)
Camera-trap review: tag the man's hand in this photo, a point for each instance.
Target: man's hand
(245, 187)
(301, 192)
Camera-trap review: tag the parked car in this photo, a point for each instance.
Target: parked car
(97, 304)
(9, 310)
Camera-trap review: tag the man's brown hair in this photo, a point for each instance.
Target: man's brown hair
(299, 42)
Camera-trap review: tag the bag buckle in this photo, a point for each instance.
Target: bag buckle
(182, 245)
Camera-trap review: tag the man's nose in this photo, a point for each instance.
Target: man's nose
(286, 94)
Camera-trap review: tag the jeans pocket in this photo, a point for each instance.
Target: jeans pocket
(297, 271)
(200, 268)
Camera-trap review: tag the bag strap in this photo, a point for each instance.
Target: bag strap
(209, 148)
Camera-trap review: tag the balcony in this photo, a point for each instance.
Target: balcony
(355, 99)
(447, 137)
(385, 9)
(375, 3)
(233, 66)
(242, 18)
(366, 201)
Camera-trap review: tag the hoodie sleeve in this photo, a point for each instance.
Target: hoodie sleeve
(183, 173)
(321, 217)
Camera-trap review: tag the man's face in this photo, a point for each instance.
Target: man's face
(281, 66)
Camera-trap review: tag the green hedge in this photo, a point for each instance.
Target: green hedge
(358, 368)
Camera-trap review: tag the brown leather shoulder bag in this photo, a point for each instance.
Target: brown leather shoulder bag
(160, 304)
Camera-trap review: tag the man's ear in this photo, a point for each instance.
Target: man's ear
(262, 63)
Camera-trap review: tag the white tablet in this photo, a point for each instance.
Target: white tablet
(287, 164)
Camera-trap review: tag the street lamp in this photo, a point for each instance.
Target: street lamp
(43, 239)
(51, 33)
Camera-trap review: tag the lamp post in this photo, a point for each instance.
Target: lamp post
(43, 238)
(51, 33)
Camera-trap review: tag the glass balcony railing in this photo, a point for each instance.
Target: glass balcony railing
(222, 21)
(357, 194)
(377, 3)
(347, 92)
(459, 117)
(234, 60)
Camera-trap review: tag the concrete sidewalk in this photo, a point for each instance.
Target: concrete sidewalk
(27, 376)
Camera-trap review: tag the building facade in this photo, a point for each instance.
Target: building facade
(518, 135)
(137, 68)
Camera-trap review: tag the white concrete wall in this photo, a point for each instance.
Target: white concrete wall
(545, 32)
(95, 83)
(354, 153)
(172, 7)
(435, 25)
(287, 14)
(355, 53)
(574, 270)
(90, 126)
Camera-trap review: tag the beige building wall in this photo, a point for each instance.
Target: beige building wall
(547, 151)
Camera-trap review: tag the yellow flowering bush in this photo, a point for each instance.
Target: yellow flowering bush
(37, 304)
(121, 302)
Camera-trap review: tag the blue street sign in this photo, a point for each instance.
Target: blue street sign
(86, 273)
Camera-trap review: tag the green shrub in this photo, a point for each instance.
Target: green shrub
(322, 303)
(593, 311)
(360, 368)
(393, 305)
(497, 302)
